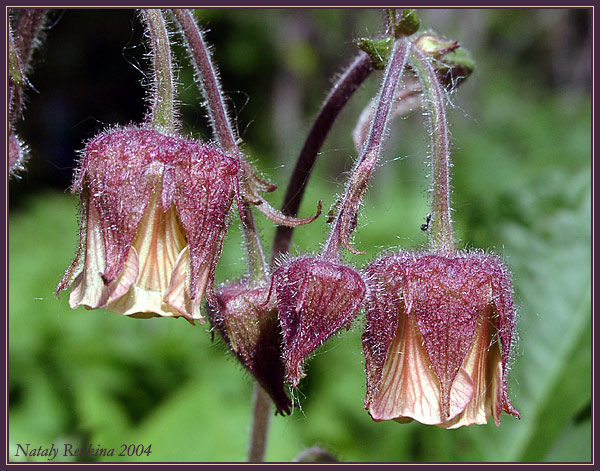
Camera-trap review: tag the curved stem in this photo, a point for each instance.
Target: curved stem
(207, 76)
(345, 219)
(162, 115)
(260, 424)
(209, 83)
(341, 92)
(441, 237)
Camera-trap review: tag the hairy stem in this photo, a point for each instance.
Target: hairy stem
(257, 267)
(345, 220)
(260, 424)
(207, 75)
(208, 78)
(341, 92)
(441, 237)
(162, 115)
(223, 131)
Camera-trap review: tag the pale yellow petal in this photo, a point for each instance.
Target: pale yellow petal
(176, 294)
(126, 279)
(159, 240)
(88, 288)
(409, 389)
(484, 365)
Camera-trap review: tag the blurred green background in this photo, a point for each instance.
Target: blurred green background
(521, 129)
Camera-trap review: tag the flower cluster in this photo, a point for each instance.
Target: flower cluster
(155, 207)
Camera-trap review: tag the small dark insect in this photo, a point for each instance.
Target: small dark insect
(425, 226)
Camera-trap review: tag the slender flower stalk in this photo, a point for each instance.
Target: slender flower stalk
(250, 184)
(207, 76)
(318, 295)
(340, 94)
(162, 114)
(223, 131)
(440, 323)
(345, 220)
(261, 418)
(441, 237)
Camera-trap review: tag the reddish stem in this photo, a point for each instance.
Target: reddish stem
(339, 95)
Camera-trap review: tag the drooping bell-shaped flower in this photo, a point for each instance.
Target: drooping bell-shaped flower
(438, 339)
(246, 319)
(153, 218)
(319, 295)
(316, 297)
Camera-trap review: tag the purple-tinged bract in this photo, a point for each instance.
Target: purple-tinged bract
(316, 297)
(246, 319)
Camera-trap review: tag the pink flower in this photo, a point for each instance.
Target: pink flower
(438, 338)
(316, 297)
(246, 318)
(153, 218)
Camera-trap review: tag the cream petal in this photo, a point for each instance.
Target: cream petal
(126, 278)
(484, 365)
(409, 389)
(176, 295)
(88, 287)
(159, 240)
(136, 301)
(200, 289)
(142, 303)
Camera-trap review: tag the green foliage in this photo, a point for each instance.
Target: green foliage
(521, 188)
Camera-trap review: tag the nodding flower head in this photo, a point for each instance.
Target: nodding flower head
(438, 338)
(316, 297)
(246, 319)
(153, 216)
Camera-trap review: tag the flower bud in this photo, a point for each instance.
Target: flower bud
(246, 319)
(316, 297)
(453, 63)
(438, 338)
(403, 22)
(153, 217)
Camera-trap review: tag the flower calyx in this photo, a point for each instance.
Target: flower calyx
(316, 297)
(438, 338)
